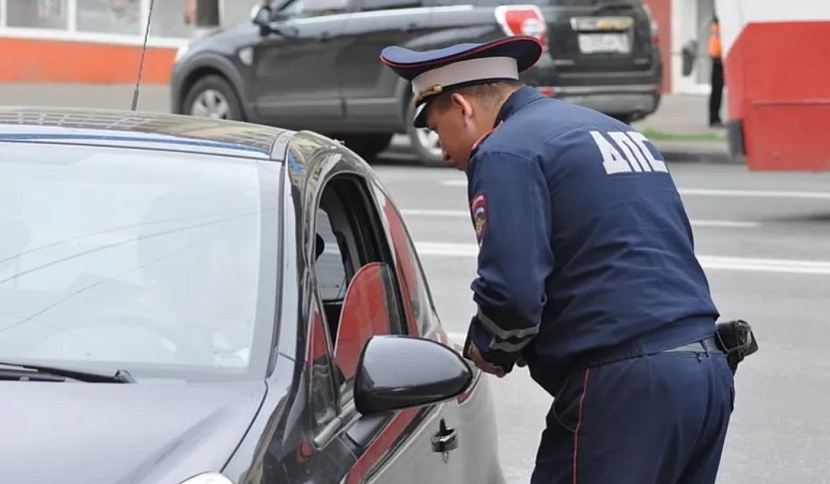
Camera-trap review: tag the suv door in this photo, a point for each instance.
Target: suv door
(294, 80)
(369, 87)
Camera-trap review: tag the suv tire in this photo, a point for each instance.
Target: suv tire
(213, 96)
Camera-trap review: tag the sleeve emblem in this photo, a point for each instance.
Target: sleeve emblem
(478, 208)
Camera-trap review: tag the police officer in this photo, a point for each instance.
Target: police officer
(586, 271)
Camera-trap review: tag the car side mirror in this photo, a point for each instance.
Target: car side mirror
(396, 372)
(261, 15)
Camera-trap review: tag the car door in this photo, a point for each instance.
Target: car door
(470, 418)
(294, 79)
(359, 292)
(369, 87)
(423, 321)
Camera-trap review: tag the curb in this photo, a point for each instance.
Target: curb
(696, 152)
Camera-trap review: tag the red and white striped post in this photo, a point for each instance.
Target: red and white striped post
(777, 71)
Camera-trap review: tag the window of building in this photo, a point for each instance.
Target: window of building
(120, 17)
(41, 14)
(169, 20)
(110, 16)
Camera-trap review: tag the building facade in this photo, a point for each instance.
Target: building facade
(99, 41)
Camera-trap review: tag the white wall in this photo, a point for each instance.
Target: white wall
(735, 14)
(687, 24)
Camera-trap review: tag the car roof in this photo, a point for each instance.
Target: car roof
(138, 129)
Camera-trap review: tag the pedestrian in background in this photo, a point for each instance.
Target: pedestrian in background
(715, 54)
(586, 271)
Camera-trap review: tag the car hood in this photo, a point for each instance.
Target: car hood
(148, 432)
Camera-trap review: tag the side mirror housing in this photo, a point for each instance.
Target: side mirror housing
(261, 15)
(396, 372)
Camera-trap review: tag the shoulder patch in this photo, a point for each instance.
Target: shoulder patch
(478, 210)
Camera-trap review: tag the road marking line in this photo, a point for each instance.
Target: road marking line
(463, 214)
(714, 192)
(436, 213)
(724, 223)
(440, 249)
(755, 193)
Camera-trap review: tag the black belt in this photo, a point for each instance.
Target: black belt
(604, 356)
(708, 345)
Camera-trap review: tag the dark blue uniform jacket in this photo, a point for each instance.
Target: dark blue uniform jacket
(583, 240)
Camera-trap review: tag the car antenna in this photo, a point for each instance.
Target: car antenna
(143, 51)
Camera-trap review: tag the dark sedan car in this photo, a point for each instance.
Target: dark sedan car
(187, 300)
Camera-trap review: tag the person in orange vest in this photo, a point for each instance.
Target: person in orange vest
(715, 53)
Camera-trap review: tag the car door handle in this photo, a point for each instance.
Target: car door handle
(411, 27)
(445, 440)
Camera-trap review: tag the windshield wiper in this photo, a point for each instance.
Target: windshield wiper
(21, 371)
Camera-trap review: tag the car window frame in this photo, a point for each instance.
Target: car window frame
(422, 324)
(376, 232)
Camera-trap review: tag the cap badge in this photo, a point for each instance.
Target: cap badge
(430, 91)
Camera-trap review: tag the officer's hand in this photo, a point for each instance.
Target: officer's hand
(485, 366)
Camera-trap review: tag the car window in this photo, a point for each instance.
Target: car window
(357, 289)
(369, 5)
(314, 8)
(148, 260)
(541, 3)
(331, 271)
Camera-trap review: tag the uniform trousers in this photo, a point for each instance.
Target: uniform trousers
(656, 419)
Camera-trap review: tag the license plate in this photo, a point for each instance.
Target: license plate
(604, 44)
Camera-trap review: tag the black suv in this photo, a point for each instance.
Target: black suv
(313, 64)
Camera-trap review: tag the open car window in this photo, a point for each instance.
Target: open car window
(357, 288)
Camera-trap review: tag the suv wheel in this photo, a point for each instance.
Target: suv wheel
(424, 143)
(213, 97)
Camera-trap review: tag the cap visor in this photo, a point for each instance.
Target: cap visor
(420, 120)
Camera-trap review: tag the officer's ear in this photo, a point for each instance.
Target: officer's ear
(463, 104)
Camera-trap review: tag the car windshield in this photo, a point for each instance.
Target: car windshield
(143, 260)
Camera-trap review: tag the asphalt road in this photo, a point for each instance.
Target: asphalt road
(764, 240)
